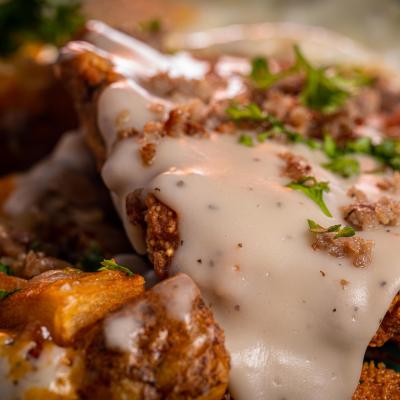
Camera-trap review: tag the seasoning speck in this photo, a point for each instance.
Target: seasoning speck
(240, 245)
(157, 189)
(323, 273)
(180, 183)
(212, 207)
(237, 307)
(334, 310)
(383, 284)
(199, 261)
(344, 283)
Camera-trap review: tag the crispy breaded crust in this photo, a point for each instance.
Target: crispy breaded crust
(378, 382)
(85, 74)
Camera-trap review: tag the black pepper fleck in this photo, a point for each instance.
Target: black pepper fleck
(181, 242)
(157, 189)
(199, 261)
(180, 183)
(212, 207)
(383, 284)
(279, 204)
(334, 310)
(240, 245)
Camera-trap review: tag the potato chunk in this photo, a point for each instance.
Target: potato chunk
(163, 345)
(68, 301)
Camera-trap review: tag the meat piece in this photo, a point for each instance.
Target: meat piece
(296, 166)
(391, 184)
(368, 215)
(164, 345)
(162, 236)
(356, 248)
(378, 382)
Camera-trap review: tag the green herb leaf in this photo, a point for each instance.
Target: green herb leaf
(263, 136)
(313, 190)
(5, 269)
(261, 74)
(6, 293)
(151, 26)
(111, 265)
(246, 140)
(344, 166)
(362, 145)
(329, 146)
(47, 21)
(249, 111)
(341, 231)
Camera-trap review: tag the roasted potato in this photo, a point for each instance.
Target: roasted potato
(66, 302)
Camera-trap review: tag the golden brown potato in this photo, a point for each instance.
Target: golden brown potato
(66, 302)
(163, 345)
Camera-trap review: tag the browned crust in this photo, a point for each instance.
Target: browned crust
(85, 74)
(378, 382)
(162, 235)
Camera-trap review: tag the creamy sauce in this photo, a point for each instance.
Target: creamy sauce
(123, 328)
(54, 371)
(69, 154)
(293, 330)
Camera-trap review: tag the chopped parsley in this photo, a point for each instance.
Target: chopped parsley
(344, 166)
(46, 21)
(5, 269)
(151, 26)
(323, 91)
(249, 111)
(341, 231)
(111, 265)
(252, 112)
(246, 140)
(261, 74)
(314, 190)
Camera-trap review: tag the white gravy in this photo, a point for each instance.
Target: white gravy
(293, 332)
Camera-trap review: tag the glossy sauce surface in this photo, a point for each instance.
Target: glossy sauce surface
(293, 329)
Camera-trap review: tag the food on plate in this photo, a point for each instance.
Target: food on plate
(272, 182)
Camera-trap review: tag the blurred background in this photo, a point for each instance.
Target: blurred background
(34, 109)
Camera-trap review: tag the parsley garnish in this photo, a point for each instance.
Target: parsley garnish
(151, 26)
(246, 140)
(252, 112)
(322, 91)
(313, 190)
(341, 231)
(111, 265)
(261, 74)
(5, 269)
(249, 111)
(47, 21)
(344, 166)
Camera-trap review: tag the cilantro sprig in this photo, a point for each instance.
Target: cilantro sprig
(111, 265)
(341, 231)
(314, 190)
